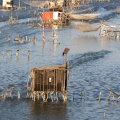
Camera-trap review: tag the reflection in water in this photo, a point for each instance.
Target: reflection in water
(102, 42)
(56, 111)
(55, 46)
(86, 43)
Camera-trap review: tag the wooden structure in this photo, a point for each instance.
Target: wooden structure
(48, 82)
(110, 31)
(12, 20)
(50, 18)
(83, 16)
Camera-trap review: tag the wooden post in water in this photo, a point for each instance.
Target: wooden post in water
(17, 54)
(34, 40)
(11, 92)
(99, 97)
(18, 94)
(19, 4)
(43, 36)
(28, 55)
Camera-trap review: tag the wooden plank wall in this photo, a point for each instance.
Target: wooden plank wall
(49, 80)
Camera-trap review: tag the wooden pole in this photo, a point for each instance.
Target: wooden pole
(19, 4)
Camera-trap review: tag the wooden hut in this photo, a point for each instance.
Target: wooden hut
(49, 80)
(55, 17)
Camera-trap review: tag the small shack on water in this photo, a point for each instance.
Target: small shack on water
(52, 78)
(48, 81)
(55, 17)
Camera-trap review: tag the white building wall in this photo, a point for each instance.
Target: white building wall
(5, 3)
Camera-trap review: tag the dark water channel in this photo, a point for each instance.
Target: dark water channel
(94, 68)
